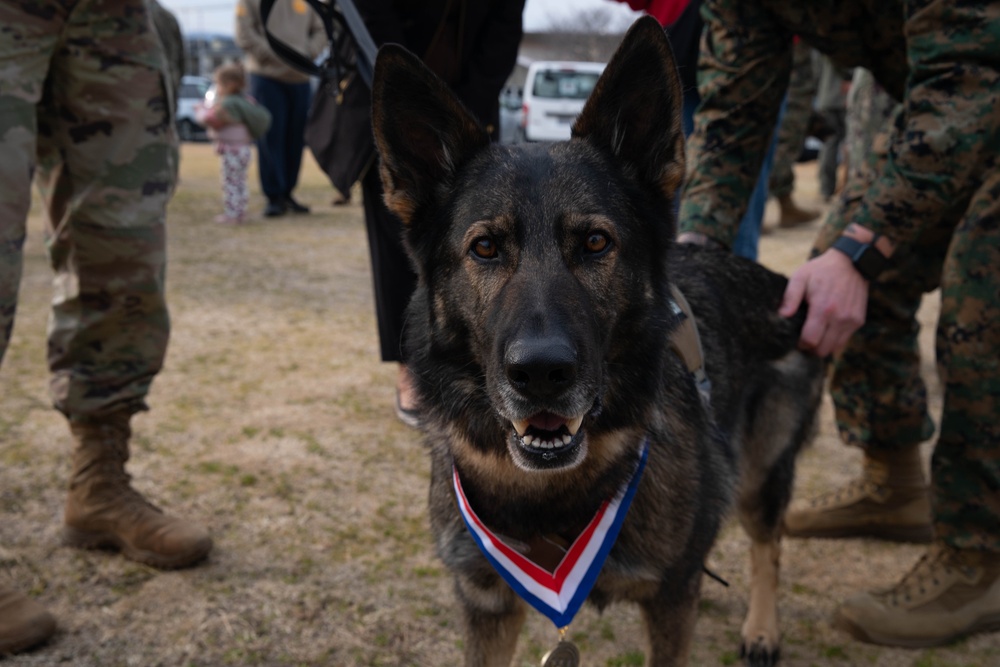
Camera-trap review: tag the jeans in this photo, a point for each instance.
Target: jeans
(748, 236)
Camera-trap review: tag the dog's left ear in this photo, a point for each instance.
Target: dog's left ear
(422, 131)
(635, 109)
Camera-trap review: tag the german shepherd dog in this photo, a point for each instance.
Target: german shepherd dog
(539, 336)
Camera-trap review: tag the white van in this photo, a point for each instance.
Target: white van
(554, 95)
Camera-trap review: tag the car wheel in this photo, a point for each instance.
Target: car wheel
(186, 130)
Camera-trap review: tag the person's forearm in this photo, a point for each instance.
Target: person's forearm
(952, 125)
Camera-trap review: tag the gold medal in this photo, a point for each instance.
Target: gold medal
(565, 654)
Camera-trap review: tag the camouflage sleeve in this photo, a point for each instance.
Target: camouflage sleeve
(951, 128)
(743, 72)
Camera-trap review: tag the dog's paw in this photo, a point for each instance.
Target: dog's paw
(760, 652)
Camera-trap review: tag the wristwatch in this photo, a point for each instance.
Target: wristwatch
(867, 259)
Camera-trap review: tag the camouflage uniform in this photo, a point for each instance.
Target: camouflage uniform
(938, 198)
(85, 110)
(795, 123)
(869, 108)
(172, 39)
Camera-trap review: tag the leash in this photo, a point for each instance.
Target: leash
(713, 575)
(352, 48)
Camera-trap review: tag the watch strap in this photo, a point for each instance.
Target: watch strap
(866, 258)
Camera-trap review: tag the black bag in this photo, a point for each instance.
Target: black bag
(338, 133)
(338, 128)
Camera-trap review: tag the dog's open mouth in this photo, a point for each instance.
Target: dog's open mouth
(548, 433)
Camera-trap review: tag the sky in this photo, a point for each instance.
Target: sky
(217, 15)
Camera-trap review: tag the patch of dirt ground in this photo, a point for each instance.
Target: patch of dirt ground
(272, 423)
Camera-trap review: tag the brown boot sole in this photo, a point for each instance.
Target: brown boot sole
(43, 631)
(921, 534)
(988, 624)
(21, 645)
(81, 539)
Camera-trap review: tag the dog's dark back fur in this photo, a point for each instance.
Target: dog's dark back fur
(544, 304)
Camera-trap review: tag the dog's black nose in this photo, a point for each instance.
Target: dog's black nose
(542, 368)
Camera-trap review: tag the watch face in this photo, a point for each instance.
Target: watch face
(870, 262)
(867, 259)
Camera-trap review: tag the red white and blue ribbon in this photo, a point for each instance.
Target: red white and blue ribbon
(557, 594)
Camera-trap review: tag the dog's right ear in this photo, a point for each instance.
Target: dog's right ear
(422, 131)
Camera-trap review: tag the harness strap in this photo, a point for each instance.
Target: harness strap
(686, 343)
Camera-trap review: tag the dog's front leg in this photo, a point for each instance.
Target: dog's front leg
(760, 632)
(670, 619)
(493, 620)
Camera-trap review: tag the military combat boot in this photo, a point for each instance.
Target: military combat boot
(890, 502)
(104, 511)
(948, 594)
(23, 622)
(792, 215)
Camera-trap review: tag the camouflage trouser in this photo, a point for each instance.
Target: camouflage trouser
(795, 124)
(84, 109)
(880, 398)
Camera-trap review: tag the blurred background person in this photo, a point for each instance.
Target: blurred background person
(283, 90)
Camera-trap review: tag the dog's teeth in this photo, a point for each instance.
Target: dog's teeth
(521, 427)
(553, 441)
(574, 425)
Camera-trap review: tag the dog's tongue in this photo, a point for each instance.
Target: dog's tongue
(546, 421)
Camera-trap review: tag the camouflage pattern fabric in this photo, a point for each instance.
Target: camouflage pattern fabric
(85, 109)
(879, 394)
(868, 110)
(744, 69)
(795, 123)
(931, 182)
(172, 40)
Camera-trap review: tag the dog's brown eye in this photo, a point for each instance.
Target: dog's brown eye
(597, 242)
(484, 248)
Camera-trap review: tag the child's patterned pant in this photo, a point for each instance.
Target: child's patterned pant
(235, 192)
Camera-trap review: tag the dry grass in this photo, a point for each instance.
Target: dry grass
(272, 423)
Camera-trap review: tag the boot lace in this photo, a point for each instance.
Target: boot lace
(934, 569)
(871, 484)
(855, 490)
(131, 500)
(115, 493)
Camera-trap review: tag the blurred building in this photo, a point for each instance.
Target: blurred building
(205, 51)
(593, 47)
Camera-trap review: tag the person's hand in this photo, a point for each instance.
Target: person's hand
(697, 238)
(837, 296)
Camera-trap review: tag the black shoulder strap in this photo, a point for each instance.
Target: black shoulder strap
(340, 21)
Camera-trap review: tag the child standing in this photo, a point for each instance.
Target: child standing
(234, 120)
